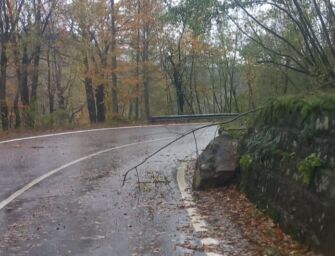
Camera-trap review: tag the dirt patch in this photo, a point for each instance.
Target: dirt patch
(96, 174)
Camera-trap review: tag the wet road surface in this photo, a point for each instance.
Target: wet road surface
(81, 209)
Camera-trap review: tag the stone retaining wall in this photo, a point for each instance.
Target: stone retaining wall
(287, 167)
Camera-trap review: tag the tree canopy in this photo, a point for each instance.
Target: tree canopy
(67, 62)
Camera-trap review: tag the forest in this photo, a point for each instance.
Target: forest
(75, 62)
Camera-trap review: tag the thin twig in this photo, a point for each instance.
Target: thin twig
(184, 135)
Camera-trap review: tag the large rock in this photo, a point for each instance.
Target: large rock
(217, 163)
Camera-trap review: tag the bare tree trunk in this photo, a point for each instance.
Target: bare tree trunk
(99, 95)
(16, 109)
(90, 99)
(145, 71)
(24, 78)
(168, 96)
(137, 71)
(34, 85)
(249, 83)
(225, 88)
(58, 81)
(215, 101)
(50, 92)
(230, 108)
(17, 97)
(37, 55)
(197, 97)
(35, 76)
(18, 74)
(3, 78)
(237, 108)
(8, 25)
(222, 86)
(191, 84)
(130, 110)
(115, 107)
(137, 99)
(179, 93)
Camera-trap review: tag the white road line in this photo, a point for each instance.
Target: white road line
(93, 130)
(198, 223)
(52, 172)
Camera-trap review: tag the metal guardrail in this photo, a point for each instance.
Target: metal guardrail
(195, 117)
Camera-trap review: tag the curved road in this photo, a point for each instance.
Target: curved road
(61, 194)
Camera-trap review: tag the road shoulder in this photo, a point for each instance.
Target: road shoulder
(231, 222)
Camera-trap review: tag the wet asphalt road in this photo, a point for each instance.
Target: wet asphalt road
(82, 210)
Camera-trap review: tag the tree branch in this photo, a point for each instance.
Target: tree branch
(260, 42)
(184, 135)
(268, 29)
(284, 65)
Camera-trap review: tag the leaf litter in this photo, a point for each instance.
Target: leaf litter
(241, 228)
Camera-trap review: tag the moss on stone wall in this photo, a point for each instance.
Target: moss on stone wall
(308, 167)
(296, 110)
(288, 169)
(245, 162)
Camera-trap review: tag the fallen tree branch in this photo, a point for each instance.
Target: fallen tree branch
(184, 135)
